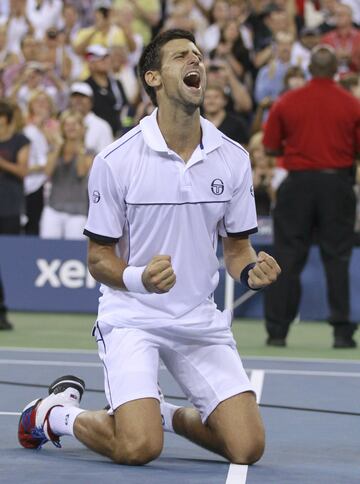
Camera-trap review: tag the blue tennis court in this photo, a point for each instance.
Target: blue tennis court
(310, 409)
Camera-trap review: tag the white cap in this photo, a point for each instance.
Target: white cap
(102, 4)
(96, 52)
(81, 88)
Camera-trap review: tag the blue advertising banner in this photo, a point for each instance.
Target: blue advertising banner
(51, 275)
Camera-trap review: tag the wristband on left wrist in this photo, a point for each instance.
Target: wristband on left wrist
(244, 276)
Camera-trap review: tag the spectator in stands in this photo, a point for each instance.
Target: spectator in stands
(18, 25)
(231, 47)
(30, 50)
(37, 75)
(146, 15)
(271, 20)
(220, 14)
(54, 55)
(294, 78)
(345, 39)
(6, 57)
(316, 195)
(40, 124)
(67, 167)
(328, 11)
(43, 14)
(270, 79)
(124, 72)
(351, 82)
(239, 98)
(214, 110)
(109, 95)
(14, 152)
(301, 51)
(98, 132)
(103, 32)
(262, 172)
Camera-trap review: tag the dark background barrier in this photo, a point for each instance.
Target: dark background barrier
(51, 275)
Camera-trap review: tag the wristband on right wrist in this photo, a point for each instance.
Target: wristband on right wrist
(132, 278)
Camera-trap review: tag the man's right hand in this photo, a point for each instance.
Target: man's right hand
(159, 276)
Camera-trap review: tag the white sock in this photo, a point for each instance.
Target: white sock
(167, 414)
(61, 419)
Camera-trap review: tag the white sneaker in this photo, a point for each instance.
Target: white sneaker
(34, 429)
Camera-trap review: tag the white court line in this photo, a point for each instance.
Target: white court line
(47, 350)
(300, 360)
(260, 358)
(51, 363)
(309, 372)
(237, 473)
(88, 364)
(16, 414)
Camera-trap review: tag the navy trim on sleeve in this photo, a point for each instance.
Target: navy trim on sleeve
(101, 239)
(242, 234)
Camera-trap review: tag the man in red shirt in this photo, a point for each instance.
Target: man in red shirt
(345, 39)
(317, 128)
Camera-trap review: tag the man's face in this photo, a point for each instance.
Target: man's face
(214, 101)
(80, 103)
(182, 77)
(29, 48)
(283, 49)
(100, 65)
(343, 16)
(310, 41)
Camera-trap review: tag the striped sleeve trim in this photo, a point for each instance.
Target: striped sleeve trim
(101, 239)
(242, 234)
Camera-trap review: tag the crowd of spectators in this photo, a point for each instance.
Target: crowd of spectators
(69, 86)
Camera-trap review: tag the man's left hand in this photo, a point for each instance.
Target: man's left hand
(265, 272)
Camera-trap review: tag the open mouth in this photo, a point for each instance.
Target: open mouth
(192, 79)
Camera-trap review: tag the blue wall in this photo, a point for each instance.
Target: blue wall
(51, 275)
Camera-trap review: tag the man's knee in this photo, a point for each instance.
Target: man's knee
(137, 450)
(239, 451)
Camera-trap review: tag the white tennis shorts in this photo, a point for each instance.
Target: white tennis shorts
(209, 370)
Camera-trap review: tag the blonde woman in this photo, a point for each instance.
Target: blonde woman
(41, 121)
(67, 168)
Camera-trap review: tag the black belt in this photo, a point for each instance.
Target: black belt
(332, 171)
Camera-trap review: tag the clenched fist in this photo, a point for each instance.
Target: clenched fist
(159, 276)
(265, 271)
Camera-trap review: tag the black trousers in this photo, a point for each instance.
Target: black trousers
(8, 226)
(34, 208)
(307, 203)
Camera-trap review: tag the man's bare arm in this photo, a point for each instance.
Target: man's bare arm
(106, 267)
(239, 253)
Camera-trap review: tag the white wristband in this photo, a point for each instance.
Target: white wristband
(132, 278)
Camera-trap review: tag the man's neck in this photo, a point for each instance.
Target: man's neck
(101, 79)
(181, 131)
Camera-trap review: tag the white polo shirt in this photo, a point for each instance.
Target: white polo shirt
(147, 200)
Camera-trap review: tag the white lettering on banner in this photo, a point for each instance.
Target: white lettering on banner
(71, 273)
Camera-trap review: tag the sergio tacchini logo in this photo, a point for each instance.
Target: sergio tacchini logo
(217, 186)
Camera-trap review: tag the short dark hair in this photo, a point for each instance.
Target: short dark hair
(6, 111)
(150, 59)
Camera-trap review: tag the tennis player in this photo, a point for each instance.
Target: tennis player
(159, 198)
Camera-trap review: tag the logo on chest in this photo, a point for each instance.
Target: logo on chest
(217, 186)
